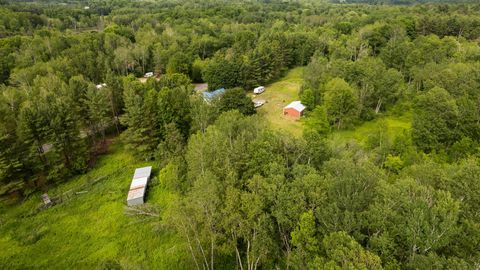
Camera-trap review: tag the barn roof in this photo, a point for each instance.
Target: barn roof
(210, 95)
(296, 105)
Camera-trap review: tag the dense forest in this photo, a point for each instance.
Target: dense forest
(245, 194)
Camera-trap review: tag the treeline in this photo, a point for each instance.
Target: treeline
(51, 129)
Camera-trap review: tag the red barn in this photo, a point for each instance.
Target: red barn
(294, 109)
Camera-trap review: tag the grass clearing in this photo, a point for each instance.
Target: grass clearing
(394, 125)
(91, 230)
(278, 95)
(281, 93)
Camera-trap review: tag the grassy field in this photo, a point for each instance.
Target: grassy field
(281, 93)
(394, 125)
(91, 230)
(278, 95)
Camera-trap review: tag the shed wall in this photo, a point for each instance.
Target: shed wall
(292, 112)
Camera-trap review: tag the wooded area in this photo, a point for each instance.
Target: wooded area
(246, 195)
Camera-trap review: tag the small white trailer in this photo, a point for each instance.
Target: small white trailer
(259, 90)
(148, 75)
(138, 187)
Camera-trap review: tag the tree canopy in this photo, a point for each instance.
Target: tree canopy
(242, 192)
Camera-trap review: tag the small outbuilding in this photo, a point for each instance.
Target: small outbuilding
(209, 96)
(294, 109)
(138, 187)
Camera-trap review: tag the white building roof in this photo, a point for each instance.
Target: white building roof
(138, 185)
(297, 105)
(142, 172)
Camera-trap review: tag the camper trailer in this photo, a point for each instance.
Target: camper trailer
(259, 90)
(148, 75)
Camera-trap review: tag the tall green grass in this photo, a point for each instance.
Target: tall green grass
(394, 125)
(91, 230)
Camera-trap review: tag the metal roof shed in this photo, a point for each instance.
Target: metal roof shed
(142, 172)
(209, 96)
(294, 109)
(136, 195)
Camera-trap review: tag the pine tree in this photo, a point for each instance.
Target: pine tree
(98, 112)
(33, 132)
(115, 97)
(141, 119)
(64, 134)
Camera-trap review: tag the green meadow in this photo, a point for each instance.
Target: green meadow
(278, 95)
(287, 89)
(390, 124)
(90, 229)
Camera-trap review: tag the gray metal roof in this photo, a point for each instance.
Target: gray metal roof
(138, 185)
(142, 172)
(297, 105)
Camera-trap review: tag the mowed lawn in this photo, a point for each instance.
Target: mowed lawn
(278, 95)
(90, 230)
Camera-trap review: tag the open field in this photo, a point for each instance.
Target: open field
(278, 95)
(394, 125)
(281, 93)
(91, 230)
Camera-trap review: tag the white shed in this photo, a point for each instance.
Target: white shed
(138, 186)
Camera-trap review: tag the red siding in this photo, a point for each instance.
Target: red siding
(292, 112)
